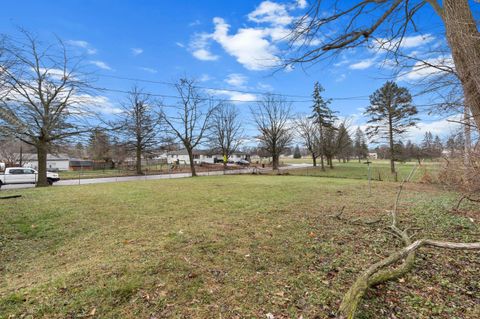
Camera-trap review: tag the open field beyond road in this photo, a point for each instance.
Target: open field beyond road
(379, 170)
(226, 247)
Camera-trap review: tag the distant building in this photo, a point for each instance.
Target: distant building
(201, 156)
(77, 164)
(59, 162)
(373, 156)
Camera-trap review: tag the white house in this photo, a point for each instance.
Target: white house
(373, 156)
(59, 162)
(201, 156)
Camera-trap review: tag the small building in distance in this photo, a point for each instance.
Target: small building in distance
(373, 156)
(58, 162)
(77, 164)
(201, 156)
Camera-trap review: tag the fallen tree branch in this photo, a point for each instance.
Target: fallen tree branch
(374, 276)
(11, 196)
(467, 197)
(378, 272)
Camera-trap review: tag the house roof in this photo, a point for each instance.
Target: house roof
(199, 152)
(184, 152)
(50, 157)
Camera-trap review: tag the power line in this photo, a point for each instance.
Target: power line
(229, 90)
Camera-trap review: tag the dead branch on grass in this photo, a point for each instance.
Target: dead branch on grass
(380, 273)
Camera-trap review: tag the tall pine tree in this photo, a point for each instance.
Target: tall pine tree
(323, 117)
(391, 115)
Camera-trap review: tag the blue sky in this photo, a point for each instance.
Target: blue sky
(223, 44)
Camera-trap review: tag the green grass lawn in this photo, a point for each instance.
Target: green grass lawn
(380, 170)
(225, 247)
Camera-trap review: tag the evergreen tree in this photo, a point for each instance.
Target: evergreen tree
(427, 145)
(391, 115)
(344, 143)
(324, 118)
(99, 145)
(360, 148)
(437, 147)
(296, 152)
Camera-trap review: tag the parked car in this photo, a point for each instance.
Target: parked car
(22, 175)
(242, 162)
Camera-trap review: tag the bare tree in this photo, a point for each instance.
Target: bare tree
(391, 20)
(308, 131)
(46, 99)
(272, 117)
(189, 119)
(139, 124)
(11, 152)
(226, 131)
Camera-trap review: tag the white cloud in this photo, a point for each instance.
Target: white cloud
(179, 44)
(362, 65)
(407, 42)
(421, 70)
(271, 12)
(137, 51)
(195, 23)
(302, 4)
(200, 47)
(101, 64)
(265, 86)
(78, 43)
(205, 55)
(440, 127)
(83, 45)
(56, 74)
(256, 48)
(204, 78)
(149, 70)
(98, 103)
(234, 96)
(249, 45)
(237, 80)
(341, 77)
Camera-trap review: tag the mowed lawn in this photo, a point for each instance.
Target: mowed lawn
(379, 170)
(226, 247)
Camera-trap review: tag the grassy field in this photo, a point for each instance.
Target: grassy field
(380, 170)
(225, 247)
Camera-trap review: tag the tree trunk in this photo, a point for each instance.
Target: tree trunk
(392, 149)
(314, 160)
(139, 160)
(464, 40)
(42, 151)
(322, 148)
(192, 163)
(275, 161)
(468, 136)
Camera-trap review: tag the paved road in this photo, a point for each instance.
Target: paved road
(84, 181)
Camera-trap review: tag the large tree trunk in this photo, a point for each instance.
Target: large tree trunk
(42, 151)
(192, 163)
(314, 160)
(275, 161)
(139, 160)
(464, 40)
